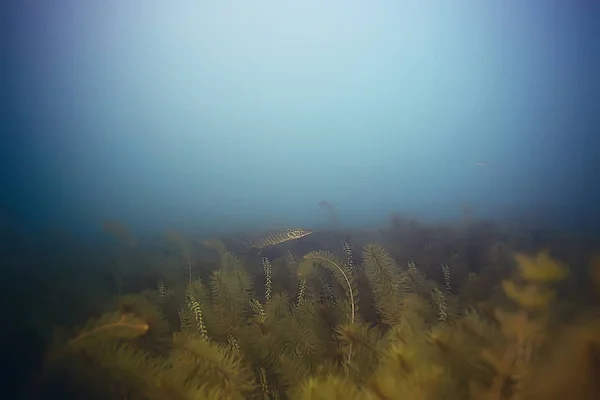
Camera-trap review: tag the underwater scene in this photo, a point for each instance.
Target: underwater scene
(300, 200)
(463, 310)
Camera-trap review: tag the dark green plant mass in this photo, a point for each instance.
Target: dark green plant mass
(358, 322)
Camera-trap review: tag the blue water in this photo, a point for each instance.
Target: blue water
(222, 115)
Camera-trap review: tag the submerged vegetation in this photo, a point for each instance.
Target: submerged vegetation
(409, 312)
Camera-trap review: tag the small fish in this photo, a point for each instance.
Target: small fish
(481, 163)
(278, 237)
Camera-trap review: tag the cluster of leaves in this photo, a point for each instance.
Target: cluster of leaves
(325, 327)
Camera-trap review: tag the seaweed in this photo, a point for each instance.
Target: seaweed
(340, 270)
(388, 283)
(279, 328)
(200, 363)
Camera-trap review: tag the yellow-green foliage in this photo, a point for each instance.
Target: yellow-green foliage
(410, 366)
(537, 273)
(360, 346)
(330, 387)
(340, 270)
(305, 339)
(499, 358)
(199, 363)
(570, 371)
(388, 283)
(231, 291)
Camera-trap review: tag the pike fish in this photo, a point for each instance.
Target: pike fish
(282, 236)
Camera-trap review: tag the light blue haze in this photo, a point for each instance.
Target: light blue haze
(228, 115)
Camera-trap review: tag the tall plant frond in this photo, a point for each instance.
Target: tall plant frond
(382, 271)
(410, 366)
(291, 371)
(299, 339)
(278, 308)
(341, 272)
(312, 315)
(231, 295)
(198, 290)
(417, 281)
(205, 363)
(388, 282)
(259, 343)
(360, 346)
(230, 261)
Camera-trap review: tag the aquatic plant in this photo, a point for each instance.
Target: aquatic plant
(300, 330)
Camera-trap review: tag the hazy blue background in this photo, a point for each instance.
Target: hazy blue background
(228, 113)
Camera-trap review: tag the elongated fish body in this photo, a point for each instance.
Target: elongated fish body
(278, 237)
